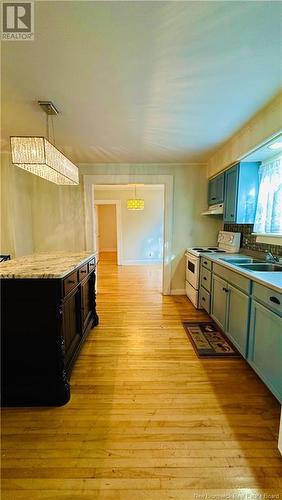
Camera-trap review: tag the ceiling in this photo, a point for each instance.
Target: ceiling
(143, 81)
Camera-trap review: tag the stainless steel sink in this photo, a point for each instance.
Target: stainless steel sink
(262, 267)
(242, 260)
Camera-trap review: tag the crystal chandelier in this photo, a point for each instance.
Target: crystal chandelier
(38, 156)
(135, 203)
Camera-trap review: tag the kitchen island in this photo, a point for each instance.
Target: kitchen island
(48, 306)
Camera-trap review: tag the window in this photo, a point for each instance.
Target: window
(268, 218)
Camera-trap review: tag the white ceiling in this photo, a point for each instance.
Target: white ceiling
(143, 81)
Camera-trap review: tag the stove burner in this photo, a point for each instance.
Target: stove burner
(208, 250)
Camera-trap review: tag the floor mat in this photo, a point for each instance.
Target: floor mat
(208, 341)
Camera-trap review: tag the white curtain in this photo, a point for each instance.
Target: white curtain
(269, 206)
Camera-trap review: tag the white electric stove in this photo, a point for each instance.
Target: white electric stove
(228, 242)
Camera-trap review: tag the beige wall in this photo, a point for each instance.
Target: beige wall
(16, 210)
(190, 228)
(258, 129)
(107, 228)
(38, 216)
(142, 231)
(58, 217)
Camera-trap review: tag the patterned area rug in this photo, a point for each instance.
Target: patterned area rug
(208, 341)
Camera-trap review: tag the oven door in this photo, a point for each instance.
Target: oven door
(193, 270)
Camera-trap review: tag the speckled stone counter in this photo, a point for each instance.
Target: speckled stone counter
(43, 265)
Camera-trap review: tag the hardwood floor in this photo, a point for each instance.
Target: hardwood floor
(147, 419)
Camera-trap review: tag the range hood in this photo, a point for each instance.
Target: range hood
(214, 210)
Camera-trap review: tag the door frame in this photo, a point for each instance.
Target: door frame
(89, 181)
(117, 204)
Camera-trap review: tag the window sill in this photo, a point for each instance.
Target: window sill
(274, 239)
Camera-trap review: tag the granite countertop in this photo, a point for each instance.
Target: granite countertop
(272, 280)
(43, 265)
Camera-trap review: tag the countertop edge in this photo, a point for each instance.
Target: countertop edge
(14, 276)
(251, 275)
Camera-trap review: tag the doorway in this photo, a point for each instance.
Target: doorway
(106, 228)
(138, 238)
(106, 180)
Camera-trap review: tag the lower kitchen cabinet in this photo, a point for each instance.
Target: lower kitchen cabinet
(237, 318)
(87, 299)
(71, 327)
(230, 310)
(250, 314)
(205, 299)
(219, 301)
(265, 347)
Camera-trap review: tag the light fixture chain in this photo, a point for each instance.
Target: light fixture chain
(53, 131)
(47, 126)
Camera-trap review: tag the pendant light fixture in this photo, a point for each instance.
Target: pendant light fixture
(38, 156)
(135, 203)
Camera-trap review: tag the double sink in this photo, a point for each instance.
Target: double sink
(254, 265)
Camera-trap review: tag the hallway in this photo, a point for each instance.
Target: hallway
(147, 418)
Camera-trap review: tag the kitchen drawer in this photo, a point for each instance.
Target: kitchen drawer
(273, 300)
(82, 272)
(92, 265)
(206, 263)
(205, 299)
(232, 277)
(206, 278)
(70, 282)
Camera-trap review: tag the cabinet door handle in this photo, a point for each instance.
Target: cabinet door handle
(225, 289)
(274, 299)
(71, 281)
(232, 215)
(213, 198)
(204, 278)
(205, 262)
(203, 298)
(83, 271)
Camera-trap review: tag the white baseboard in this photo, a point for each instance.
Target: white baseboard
(178, 291)
(143, 262)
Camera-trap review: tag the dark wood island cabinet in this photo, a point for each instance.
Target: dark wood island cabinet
(48, 306)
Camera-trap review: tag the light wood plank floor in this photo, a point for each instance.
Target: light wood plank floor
(147, 419)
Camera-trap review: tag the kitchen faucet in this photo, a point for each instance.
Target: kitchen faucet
(269, 257)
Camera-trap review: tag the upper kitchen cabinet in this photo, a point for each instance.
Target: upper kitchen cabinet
(240, 193)
(216, 190)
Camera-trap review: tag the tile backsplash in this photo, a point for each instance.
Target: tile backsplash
(248, 240)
